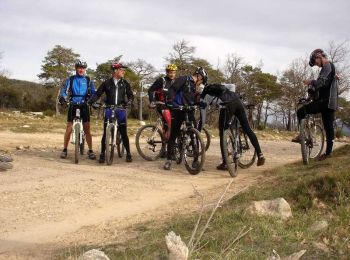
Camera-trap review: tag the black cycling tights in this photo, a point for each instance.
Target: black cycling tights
(123, 132)
(236, 108)
(316, 107)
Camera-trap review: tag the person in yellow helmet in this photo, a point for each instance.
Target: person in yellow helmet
(158, 92)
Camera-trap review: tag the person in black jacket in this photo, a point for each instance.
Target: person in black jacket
(234, 107)
(118, 92)
(158, 92)
(181, 93)
(324, 91)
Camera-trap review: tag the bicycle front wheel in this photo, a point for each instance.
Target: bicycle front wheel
(194, 153)
(316, 142)
(247, 154)
(82, 146)
(120, 145)
(109, 144)
(304, 137)
(230, 153)
(77, 143)
(149, 142)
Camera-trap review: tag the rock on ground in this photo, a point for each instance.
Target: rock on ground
(319, 225)
(276, 208)
(176, 247)
(94, 254)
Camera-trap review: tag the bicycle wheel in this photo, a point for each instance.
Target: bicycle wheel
(230, 156)
(194, 152)
(207, 139)
(304, 136)
(77, 142)
(109, 144)
(149, 142)
(178, 150)
(120, 145)
(82, 146)
(317, 141)
(247, 154)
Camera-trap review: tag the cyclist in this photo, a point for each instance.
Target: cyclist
(234, 107)
(182, 92)
(78, 89)
(158, 92)
(118, 92)
(325, 97)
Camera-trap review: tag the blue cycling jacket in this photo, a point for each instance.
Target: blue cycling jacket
(79, 91)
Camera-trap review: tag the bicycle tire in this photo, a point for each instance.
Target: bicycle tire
(120, 145)
(138, 143)
(230, 156)
(77, 143)
(314, 154)
(245, 145)
(207, 137)
(200, 153)
(305, 153)
(82, 146)
(109, 144)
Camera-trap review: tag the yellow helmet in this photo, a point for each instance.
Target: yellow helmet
(171, 67)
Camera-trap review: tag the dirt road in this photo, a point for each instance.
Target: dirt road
(47, 203)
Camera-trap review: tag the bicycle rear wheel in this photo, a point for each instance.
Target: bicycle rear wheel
(207, 139)
(230, 155)
(246, 151)
(304, 136)
(77, 143)
(178, 150)
(109, 144)
(194, 152)
(149, 142)
(120, 145)
(317, 141)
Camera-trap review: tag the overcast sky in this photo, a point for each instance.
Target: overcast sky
(274, 31)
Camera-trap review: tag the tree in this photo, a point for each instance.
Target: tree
(181, 55)
(232, 68)
(144, 70)
(57, 66)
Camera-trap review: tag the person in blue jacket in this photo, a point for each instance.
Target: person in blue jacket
(77, 89)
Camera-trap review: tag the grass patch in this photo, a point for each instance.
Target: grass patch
(319, 191)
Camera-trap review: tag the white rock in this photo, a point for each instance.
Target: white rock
(276, 208)
(176, 247)
(26, 126)
(19, 147)
(295, 256)
(319, 225)
(94, 254)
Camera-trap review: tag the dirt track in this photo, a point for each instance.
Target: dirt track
(47, 203)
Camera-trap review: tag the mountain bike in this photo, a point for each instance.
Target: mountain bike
(78, 135)
(189, 146)
(113, 136)
(151, 141)
(311, 136)
(238, 150)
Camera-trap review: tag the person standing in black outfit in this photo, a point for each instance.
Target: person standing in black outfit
(118, 92)
(234, 107)
(324, 91)
(183, 92)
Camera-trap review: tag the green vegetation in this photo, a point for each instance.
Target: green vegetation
(319, 191)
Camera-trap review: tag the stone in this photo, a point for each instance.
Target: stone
(319, 225)
(94, 254)
(176, 247)
(276, 208)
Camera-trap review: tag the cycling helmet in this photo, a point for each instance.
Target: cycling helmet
(118, 65)
(80, 64)
(315, 54)
(203, 73)
(170, 67)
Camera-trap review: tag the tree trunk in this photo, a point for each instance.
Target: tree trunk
(57, 103)
(266, 115)
(289, 123)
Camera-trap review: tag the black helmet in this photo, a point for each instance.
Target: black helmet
(314, 55)
(80, 64)
(203, 73)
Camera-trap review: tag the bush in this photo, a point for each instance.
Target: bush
(339, 134)
(49, 112)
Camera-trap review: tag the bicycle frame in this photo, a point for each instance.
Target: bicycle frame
(113, 121)
(77, 121)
